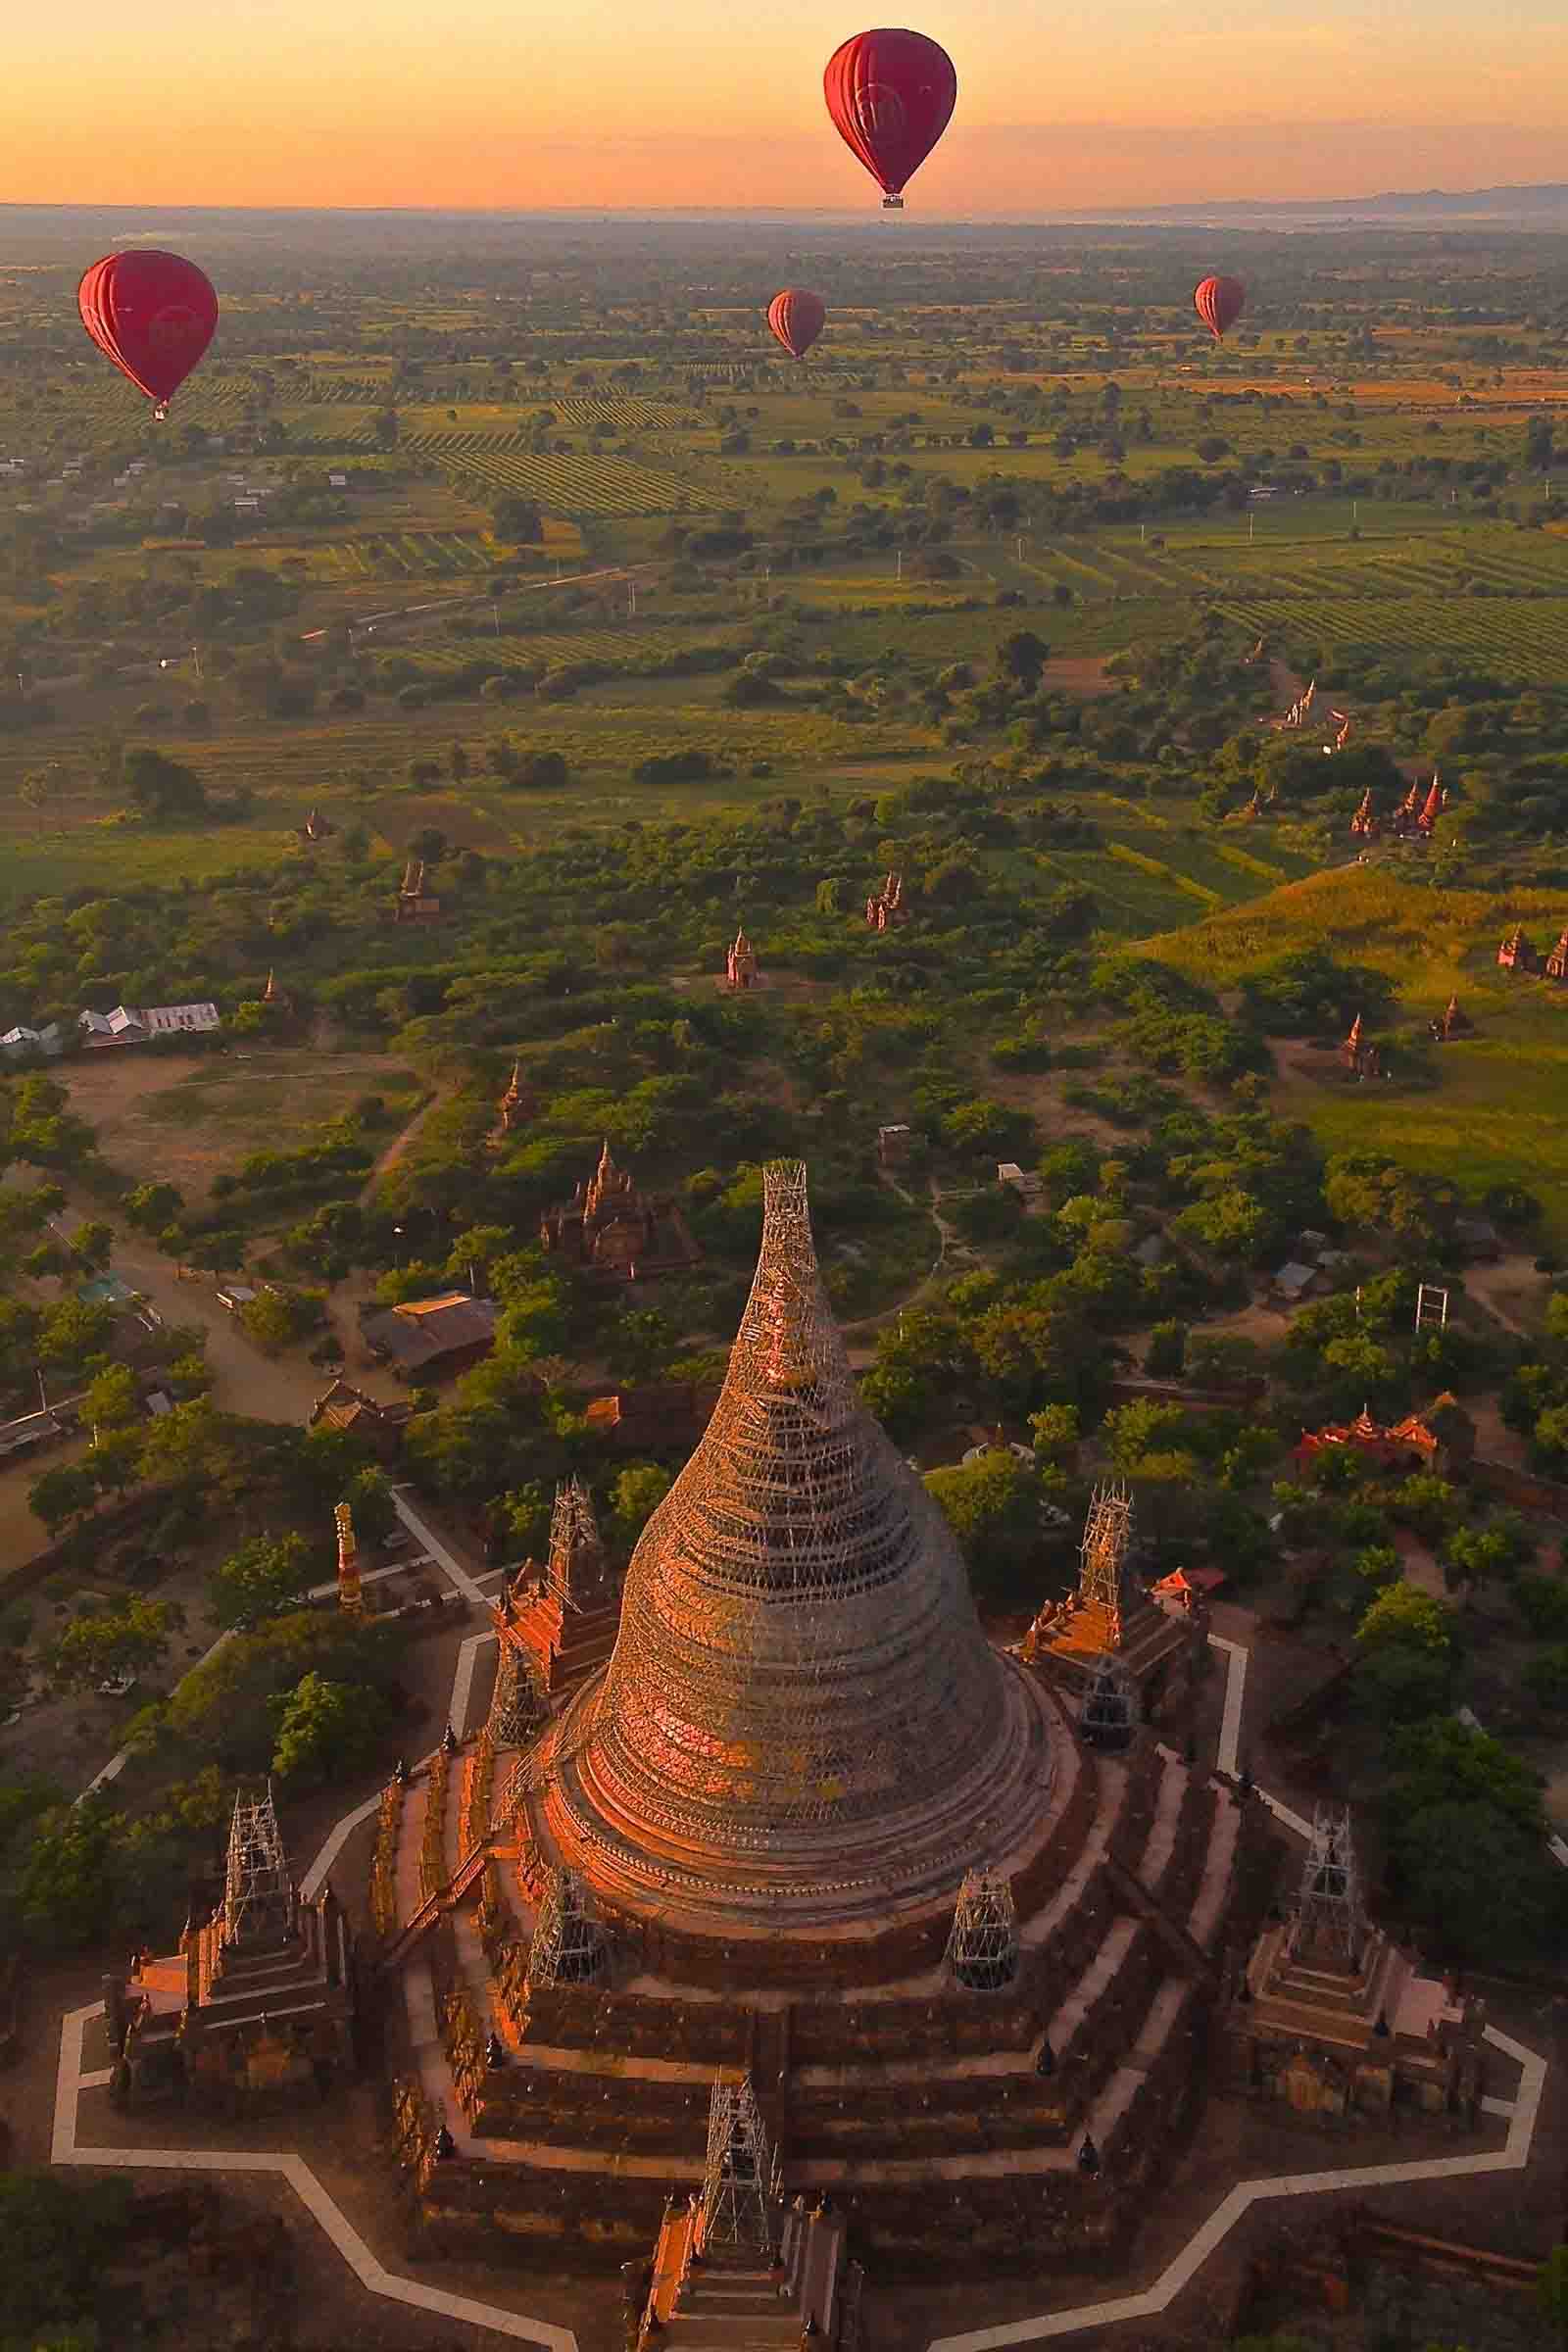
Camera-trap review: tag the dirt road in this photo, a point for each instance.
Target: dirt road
(267, 1388)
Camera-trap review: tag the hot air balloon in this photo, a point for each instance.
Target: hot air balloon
(891, 96)
(1219, 302)
(153, 313)
(797, 318)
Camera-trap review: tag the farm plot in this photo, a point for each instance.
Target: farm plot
(1523, 638)
(616, 647)
(570, 485)
(384, 554)
(630, 415)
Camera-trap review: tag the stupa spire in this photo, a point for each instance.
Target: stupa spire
(801, 1689)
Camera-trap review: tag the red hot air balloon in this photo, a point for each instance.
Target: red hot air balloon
(796, 318)
(891, 96)
(1219, 302)
(153, 313)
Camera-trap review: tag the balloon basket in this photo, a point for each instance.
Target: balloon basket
(892, 203)
(161, 412)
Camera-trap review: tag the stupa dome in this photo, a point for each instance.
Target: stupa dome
(802, 1721)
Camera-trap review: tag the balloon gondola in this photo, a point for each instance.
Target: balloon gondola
(153, 314)
(891, 94)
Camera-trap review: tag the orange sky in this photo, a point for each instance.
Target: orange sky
(603, 103)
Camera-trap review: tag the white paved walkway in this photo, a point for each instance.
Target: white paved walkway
(1146, 2305)
(1236, 1656)
(453, 1570)
(1156, 2299)
(322, 2208)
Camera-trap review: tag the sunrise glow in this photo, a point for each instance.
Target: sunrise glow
(342, 102)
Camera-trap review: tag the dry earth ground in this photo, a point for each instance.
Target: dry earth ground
(185, 1120)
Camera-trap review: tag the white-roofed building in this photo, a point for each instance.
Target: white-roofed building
(133, 1024)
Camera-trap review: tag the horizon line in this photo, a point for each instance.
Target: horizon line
(846, 212)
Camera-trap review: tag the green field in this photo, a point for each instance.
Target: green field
(1496, 1113)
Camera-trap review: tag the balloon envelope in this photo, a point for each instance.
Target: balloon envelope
(891, 96)
(153, 313)
(1219, 302)
(797, 318)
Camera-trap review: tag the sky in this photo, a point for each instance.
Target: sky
(612, 104)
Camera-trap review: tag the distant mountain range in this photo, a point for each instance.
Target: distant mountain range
(1544, 207)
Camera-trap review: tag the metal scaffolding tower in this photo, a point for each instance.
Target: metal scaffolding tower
(568, 1943)
(1328, 1912)
(739, 2183)
(578, 1570)
(1107, 1536)
(1109, 1716)
(983, 1948)
(517, 1705)
(1431, 1306)
(258, 1898)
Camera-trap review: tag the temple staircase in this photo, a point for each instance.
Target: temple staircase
(729, 2302)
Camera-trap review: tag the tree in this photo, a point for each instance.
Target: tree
(1021, 655)
(993, 1507)
(129, 1640)
(93, 1245)
(227, 1709)
(67, 1492)
(1405, 1653)
(109, 1402)
(326, 1729)
(1231, 1223)
(270, 1320)
(635, 1495)
(641, 1344)
(1360, 1187)
(1055, 1435)
(1551, 2281)
(265, 1578)
(517, 520)
(36, 790)
(69, 1869)
(153, 1207)
(163, 789)
(1133, 1432)
(58, 2236)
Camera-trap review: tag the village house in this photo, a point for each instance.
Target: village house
(139, 1025)
(20, 1042)
(432, 1338)
(344, 1407)
(1022, 1181)
(665, 1417)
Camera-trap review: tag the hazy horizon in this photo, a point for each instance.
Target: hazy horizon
(345, 104)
